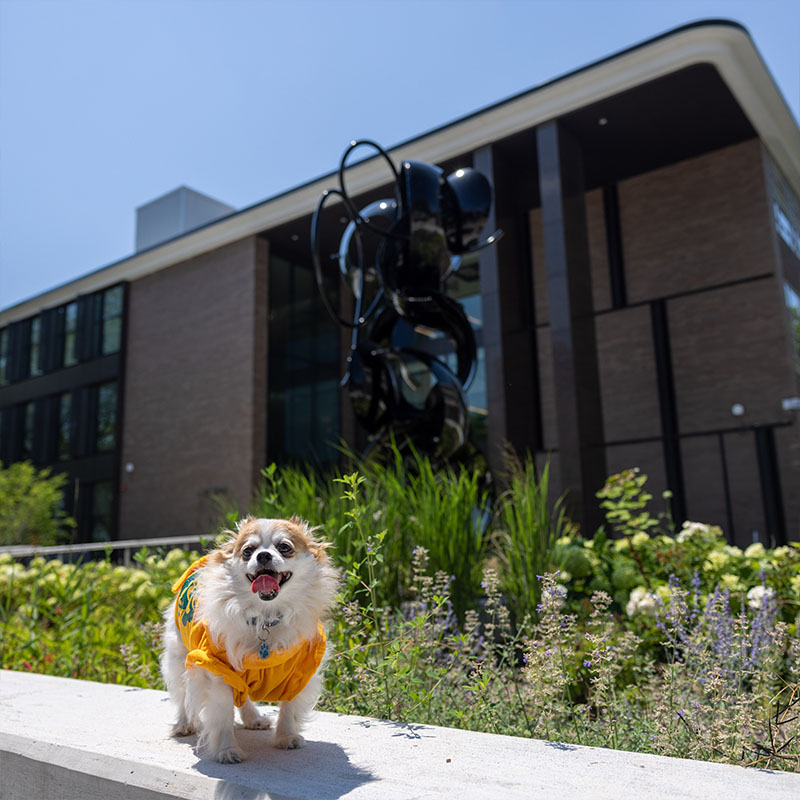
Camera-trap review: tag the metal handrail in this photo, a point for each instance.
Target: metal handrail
(126, 545)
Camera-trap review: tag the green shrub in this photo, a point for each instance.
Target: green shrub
(636, 568)
(94, 620)
(30, 502)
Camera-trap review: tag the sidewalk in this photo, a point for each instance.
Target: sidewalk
(63, 739)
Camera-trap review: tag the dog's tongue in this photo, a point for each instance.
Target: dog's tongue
(266, 584)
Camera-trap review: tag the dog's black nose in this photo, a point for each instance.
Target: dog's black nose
(264, 557)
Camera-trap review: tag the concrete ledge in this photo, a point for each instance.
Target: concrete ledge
(76, 740)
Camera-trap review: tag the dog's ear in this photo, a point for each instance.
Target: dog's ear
(317, 547)
(225, 547)
(242, 522)
(228, 546)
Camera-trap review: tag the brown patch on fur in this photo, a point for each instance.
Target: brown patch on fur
(303, 539)
(244, 529)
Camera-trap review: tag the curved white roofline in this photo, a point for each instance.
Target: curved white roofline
(726, 46)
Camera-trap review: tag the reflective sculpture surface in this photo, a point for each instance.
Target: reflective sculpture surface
(395, 255)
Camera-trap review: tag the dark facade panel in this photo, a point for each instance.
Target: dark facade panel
(579, 415)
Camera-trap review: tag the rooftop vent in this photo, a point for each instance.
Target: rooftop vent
(178, 212)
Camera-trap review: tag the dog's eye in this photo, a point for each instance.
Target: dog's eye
(247, 552)
(285, 549)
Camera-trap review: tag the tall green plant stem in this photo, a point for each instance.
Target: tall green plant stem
(372, 546)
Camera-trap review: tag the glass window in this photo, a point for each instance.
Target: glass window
(4, 337)
(35, 347)
(105, 430)
(64, 431)
(70, 355)
(793, 307)
(464, 286)
(112, 320)
(28, 427)
(101, 512)
(304, 367)
(785, 207)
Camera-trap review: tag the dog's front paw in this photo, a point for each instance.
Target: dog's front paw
(229, 755)
(289, 741)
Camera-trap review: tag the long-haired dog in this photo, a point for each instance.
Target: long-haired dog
(247, 625)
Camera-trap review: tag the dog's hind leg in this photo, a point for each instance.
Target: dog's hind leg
(173, 670)
(252, 718)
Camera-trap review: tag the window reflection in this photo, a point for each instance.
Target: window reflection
(35, 368)
(111, 337)
(70, 354)
(64, 431)
(304, 367)
(105, 431)
(28, 428)
(4, 346)
(793, 307)
(101, 512)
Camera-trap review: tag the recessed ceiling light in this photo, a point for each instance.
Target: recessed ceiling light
(602, 121)
(295, 237)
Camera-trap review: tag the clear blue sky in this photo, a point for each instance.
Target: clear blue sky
(107, 104)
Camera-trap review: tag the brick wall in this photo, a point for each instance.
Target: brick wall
(195, 390)
(699, 223)
(699, 234)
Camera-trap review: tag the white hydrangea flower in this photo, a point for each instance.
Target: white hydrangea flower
(717, 559)
(689, 529)
(756, 550)
(756, 595)
(733, 583)
(641, 602)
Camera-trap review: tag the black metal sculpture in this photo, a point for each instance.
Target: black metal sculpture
(396, 255)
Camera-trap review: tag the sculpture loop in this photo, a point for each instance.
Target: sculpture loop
(400, 251)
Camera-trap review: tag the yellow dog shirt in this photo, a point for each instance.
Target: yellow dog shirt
(282, 675)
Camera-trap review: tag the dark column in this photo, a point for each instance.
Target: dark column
(770, 478)
(569, 289)
(668, 406)
(509, 332)
(616, 263)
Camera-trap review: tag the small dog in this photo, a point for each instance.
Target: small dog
(247, 624)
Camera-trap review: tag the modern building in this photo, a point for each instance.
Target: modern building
(641, 310)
